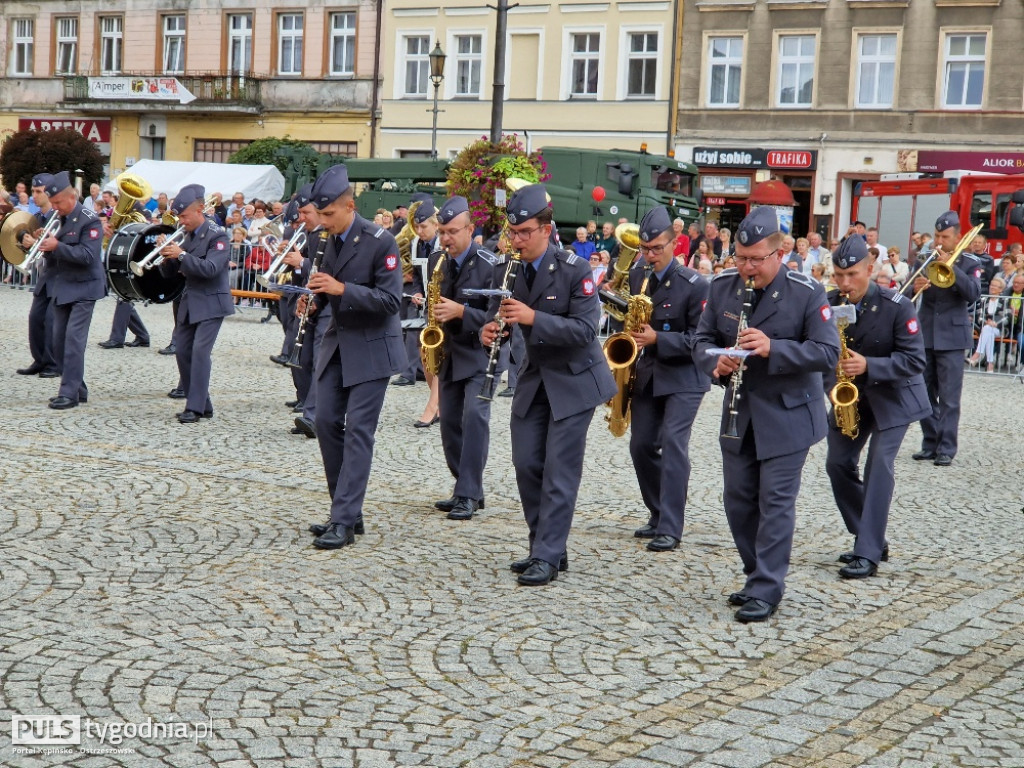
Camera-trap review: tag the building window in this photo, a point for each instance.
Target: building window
(289, 44)
(174, 45)
(111, 44)
(417, 66)
(642, 68)
(345, 148)
(67, 46)
(240, 43)
(725, 71)
(343, 44)
(876, 71)
(796, 71)
(216, 150)
(22, 46)
(585, 58)
(965, 71)
(468, 64)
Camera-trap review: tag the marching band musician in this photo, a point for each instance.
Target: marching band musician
(362, 279)
(202, 258)
(563, 377)
(287, 304)
(421, 246)
(465, 418)
(40, 314)
(791, 340)
(947, 330)
(668, 386)
(78, 281)
(885, 360)
(319, 317)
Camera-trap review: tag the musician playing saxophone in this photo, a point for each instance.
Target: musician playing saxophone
(668, 387)
(885, 360)
(465, 418)
(791, 339)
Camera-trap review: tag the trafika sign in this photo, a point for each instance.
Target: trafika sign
(96, 130)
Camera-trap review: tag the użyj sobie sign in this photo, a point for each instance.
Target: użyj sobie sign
(95, 129)
(732, 157)
(930, 161)
(139, 88)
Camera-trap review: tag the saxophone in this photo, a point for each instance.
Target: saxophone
(615, 292)
(844, 395)
(404, 240)
(432, 335)
(621, 351)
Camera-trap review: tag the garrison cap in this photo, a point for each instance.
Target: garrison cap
(425, 211)
(451, 208)
(757, 225)
(527, 203)
(948, 220)
(331, 185)
(850, 252)
(58, 183)
(186, 196)
(41, 179)
(291, 211)
(305, 195)
(419, 197)
(654, 222)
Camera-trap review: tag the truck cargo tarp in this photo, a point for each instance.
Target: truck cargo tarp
(168, 176)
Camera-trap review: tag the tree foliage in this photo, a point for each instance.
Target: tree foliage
(268, 152)
(27, 153)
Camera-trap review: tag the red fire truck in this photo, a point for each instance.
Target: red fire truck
(904, 203)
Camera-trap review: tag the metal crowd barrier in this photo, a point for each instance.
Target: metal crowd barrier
(248, 264)
(998, 335)
(12, 278)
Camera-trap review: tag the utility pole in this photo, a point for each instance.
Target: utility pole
(498, 89)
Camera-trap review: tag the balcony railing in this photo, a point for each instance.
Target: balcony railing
(210, 89)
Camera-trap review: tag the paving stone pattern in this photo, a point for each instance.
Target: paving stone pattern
(163, 571)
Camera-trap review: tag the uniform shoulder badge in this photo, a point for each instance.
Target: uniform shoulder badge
(88, 214)
(379, 232)
(570, 258)
(800, 277)
(730, 272)
(895, 297)
(487, 256)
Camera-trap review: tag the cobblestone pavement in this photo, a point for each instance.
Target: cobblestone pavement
(160, 572)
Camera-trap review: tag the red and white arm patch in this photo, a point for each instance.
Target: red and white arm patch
(912, 326)
(703, 305)
(391, 262)
(588, 286)
(826, 313)
(220, 245)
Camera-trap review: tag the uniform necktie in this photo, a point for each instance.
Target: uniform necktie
(654, 282)
(529, 274)
(453, 269)
(338, 242)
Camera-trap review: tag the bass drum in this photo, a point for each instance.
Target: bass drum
(133, 242)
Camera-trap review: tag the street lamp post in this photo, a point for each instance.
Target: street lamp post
(437, 58)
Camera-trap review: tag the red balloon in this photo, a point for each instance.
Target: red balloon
(597, 194)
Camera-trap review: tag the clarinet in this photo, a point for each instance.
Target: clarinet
(487, 391)
(736, 381)
(318, 257)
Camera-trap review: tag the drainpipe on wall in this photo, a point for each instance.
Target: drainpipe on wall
(677, 63)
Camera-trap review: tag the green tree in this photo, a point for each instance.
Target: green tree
(27, 153)
(269, 152)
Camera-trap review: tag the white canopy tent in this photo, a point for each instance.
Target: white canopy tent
(168, 176)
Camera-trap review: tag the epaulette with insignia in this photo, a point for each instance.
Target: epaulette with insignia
(379, 232)
(896, 297)
(730, 272)
(487, 256)
(694, 277)
(800, 277)
(571, 258)
(88, 213)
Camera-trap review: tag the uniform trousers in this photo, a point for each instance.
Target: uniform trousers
(70, 335)
(40, 332)
(944, 378)
(659, 444)
(286, 305)
(310, 353)
(512, 355)
(346, 427)
(126, 318)
(193, 343)
(760, 505)
(548, 457)
(864, 503)
(465, 432)
(412, 341)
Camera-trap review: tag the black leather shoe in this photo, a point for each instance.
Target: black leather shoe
(923, 456)
(177, 394)
(335, 537)
(319, 529)
(663, 543)
(943, 460)
(49, 373)
(296, 431)
(538, 574)
(81, 399)
(849, 557)
(755, 610)
(290, 403)
(170, 349)
(299, 407)
(305, 426)
(401, 381)
(646, 532)
(32, 370)
(279, 359)
(63, 403)
(109, 344)
(137, 343)
(507, 392)
(738, 598)
(188, 417)
(520, 566)
(445, 505)
(463, 509)
(859, 568)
